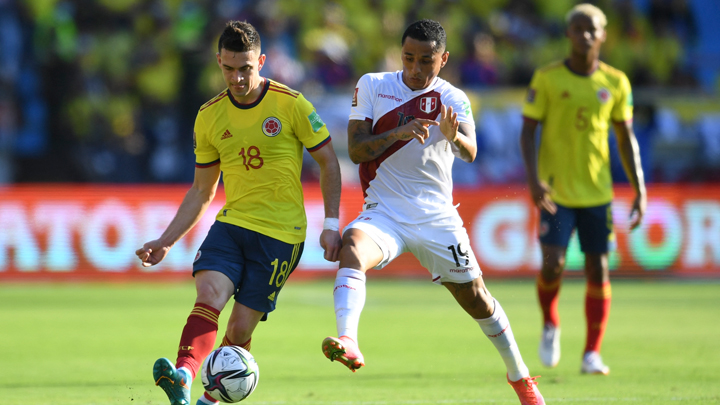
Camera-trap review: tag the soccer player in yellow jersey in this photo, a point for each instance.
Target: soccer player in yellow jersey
(569, 176)
(253, 132)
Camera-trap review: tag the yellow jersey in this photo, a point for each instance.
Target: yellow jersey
(575, 112)
(259, 149)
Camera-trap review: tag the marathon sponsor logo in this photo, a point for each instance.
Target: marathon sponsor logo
(499, 334)
(390, 97)
(464, 270)
(344, 286)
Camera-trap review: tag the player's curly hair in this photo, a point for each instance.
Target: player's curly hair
(427, 30)
(239, 36)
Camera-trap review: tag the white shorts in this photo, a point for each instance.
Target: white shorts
(442, 247)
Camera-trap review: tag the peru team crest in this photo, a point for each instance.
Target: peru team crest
(428, 104)
(271, 126)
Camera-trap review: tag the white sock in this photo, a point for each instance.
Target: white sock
(188, 373)
(349, 296)
(204, 399)
(497, 329)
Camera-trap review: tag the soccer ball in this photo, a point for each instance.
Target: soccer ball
(230, 374)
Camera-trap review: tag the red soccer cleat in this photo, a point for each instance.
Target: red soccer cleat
(527, 391)
(344, 350)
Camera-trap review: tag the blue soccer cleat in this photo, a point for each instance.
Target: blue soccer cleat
(176, 383)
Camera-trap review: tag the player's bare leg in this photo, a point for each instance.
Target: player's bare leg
(476, 300)
(548, 288)
(359, 253)
(598, 297)
(242, 323)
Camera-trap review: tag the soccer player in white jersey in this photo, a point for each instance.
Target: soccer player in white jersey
(405, 130)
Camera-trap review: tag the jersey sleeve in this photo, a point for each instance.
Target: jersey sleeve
(623, 109)
(459, 101)
(362, 107)
(535, 105)
(205, 153)
(309, 127)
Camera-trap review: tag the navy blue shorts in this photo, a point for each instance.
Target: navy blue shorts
(594, 226)
(257, 264)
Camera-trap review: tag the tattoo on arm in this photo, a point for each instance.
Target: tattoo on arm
(461, 287)
(363, 145)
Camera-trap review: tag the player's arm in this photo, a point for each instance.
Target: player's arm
(192, 208)
(363, 146)
(539, 191)
(460, 134)
(330, 185)
(629, 152)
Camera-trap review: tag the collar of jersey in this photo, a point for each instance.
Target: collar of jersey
(266, 86)
(566, 62)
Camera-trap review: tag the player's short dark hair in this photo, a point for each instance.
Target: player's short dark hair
(239, 36)
(427, 31)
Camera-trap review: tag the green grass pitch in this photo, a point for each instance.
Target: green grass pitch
(63, 344)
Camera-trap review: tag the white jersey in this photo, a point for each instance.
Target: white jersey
(410, 182)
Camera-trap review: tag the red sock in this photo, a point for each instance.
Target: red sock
(548, 293)
(227, 342)
(198, 337)
(597, 311)
(210, 399)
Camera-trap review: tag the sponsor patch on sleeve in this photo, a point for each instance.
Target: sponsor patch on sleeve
(194, 141)
(354, 101)
(531, 95)
(466, 108)
(315, 121)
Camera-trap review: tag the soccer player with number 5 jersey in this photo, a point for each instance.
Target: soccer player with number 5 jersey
(253, 132)
(569, 174)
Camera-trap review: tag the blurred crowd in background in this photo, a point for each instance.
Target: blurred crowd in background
(107, 90)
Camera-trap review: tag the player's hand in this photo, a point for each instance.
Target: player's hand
(331, 242)
(540, 193)
(637, 212)
(416, 129)
(152, 253)
(449, 123)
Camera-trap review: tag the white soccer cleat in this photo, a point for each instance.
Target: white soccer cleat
(549, 349)
(593, 364)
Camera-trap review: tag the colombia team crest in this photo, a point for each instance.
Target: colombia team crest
(603, 95)
(271, 126)
(428, 104)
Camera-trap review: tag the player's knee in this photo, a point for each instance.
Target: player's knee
(238, 333)
(553, 265)
(212, 294)
(355, 257)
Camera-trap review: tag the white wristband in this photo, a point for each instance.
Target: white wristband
(332, 224)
